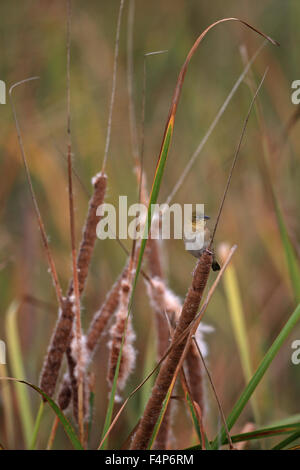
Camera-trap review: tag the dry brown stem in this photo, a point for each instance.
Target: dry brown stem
(168, 368)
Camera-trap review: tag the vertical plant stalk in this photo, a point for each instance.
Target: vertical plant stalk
(53, 433)
(193, 405)
(37, 426)
(76, 301)
(132, 117)
(62, 334)
(166, 306)
(114, 83)
(168, 368)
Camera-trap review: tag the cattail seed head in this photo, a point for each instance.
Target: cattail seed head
(128, 358)
(65, 393)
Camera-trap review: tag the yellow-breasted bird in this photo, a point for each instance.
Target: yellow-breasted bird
(197, 237)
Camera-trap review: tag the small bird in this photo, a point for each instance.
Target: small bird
(197, 237)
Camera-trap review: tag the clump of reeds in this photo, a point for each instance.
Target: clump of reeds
(68, 336)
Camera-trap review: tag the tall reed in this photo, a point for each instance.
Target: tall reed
(167, 370)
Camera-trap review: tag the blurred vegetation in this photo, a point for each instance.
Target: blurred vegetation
(33, 38)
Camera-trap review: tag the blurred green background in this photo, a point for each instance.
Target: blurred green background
(33, 40)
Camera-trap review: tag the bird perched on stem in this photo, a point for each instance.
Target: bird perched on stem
(197, 237)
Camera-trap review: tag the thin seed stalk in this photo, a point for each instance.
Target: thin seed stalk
(78, 329)
(168, 368)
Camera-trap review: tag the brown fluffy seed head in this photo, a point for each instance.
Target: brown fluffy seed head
(164, 301)
(128, 353)
(65, 393)
(104, 314)
(57, 348)
(89, 232)
(75, 349)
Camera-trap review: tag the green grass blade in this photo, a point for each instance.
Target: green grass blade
(17, 368)
(294, 419)
(261, 370)
(290, 255)
(91, 412)
(37, 425)
(263, 433)
(64, 421)
(287, 441)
